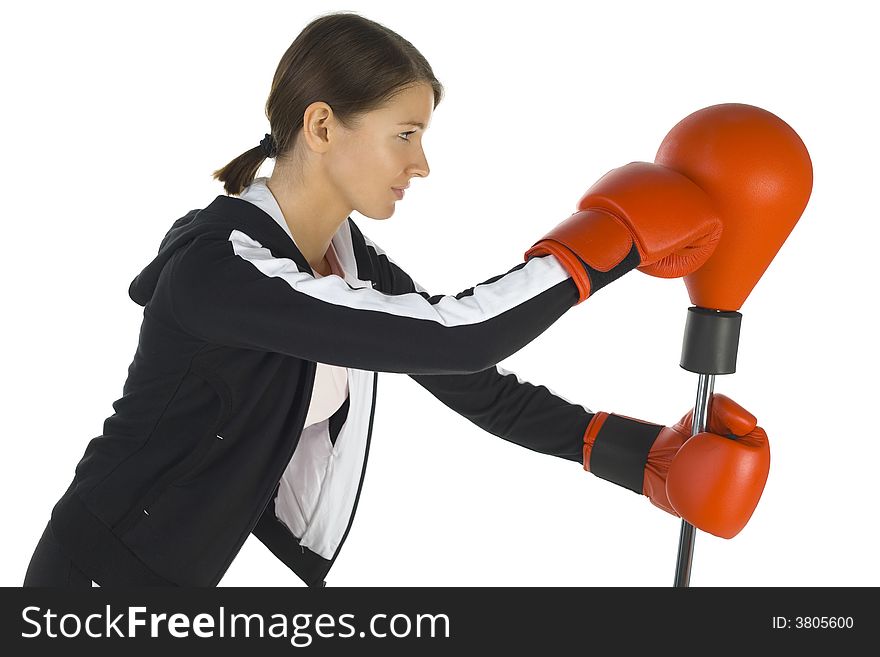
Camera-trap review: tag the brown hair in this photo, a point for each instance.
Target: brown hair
(353, 64)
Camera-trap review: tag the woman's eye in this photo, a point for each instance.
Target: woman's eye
(406, 133)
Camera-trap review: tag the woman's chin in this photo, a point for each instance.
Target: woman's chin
(375, 214)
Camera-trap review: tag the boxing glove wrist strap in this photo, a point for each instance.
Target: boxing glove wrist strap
(594, 246)
(616, 448)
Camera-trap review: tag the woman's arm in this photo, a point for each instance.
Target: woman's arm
(528, 414)
(236, 292)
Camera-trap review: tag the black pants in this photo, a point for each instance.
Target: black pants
(50, 566)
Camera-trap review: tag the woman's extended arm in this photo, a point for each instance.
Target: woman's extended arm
(236, 292)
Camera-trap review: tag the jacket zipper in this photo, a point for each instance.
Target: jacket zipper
(363, 473)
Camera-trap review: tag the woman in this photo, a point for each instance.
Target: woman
(268, 314)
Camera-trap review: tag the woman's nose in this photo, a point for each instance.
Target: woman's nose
(421, 169)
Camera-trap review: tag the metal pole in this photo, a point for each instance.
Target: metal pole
(705, 387)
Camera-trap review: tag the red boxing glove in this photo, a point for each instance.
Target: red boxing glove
(713, 480)
(641, 215)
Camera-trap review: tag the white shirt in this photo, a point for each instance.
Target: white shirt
(309, 474)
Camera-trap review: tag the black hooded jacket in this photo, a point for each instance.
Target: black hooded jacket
(234, 322)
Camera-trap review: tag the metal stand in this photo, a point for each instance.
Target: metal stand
(709, 347)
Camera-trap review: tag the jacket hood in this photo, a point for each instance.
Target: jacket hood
(181, 233)
(217, 220)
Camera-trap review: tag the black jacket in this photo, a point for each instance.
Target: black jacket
(191, 461)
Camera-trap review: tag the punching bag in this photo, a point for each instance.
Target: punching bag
(757, 171)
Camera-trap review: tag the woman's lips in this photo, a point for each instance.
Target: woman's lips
(397, 192)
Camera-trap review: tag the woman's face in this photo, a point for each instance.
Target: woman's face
(365, 163)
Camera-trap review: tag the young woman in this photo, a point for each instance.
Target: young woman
(268, 314)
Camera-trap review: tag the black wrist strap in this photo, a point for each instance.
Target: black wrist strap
(599, 279)
(620, 451)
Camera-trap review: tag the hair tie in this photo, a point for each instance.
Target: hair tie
(268, 145)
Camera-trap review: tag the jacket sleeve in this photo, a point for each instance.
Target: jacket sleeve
(499, 401)
(527, 414)
(236, 292)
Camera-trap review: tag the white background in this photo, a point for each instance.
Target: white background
(116, 115)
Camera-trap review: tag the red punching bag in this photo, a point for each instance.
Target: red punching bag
(757, 171)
